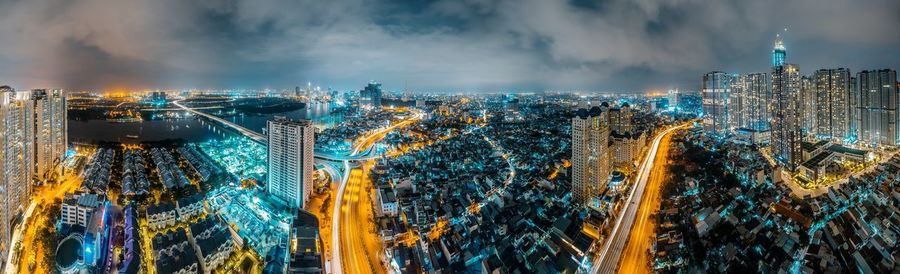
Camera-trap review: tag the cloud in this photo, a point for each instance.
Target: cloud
(443, 45)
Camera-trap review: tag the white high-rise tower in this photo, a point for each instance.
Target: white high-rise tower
(290, 160)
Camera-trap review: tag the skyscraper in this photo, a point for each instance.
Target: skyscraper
(833, 104)
(290, 160)
(778, 52)
(590, 157)
(49, 132)
(16, 160)
(715, 91)
(786, 135)
(877, 122)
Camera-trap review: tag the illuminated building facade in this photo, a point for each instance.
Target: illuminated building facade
(50, 132)
(715, 91)
(590, 156)
(290, 160)
(877, 123)
(833, 104)
(786, 136)
(16, 160)
(778, 52)
(737, 102)
(756, 96)
(620, 118)
(808, 107)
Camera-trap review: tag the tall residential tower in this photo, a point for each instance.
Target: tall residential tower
(290, 160)
(16, 160)
(877, 122)
(833, 104)
(786, 133)
(590, 153)
(49, 132)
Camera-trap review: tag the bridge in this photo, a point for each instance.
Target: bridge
(255, 136)
(357, 155)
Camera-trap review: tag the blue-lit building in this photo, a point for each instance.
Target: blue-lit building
(778, 52)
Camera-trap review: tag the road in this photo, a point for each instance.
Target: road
(34, 222)
(636, 257)
(346, 241)
(608, 258)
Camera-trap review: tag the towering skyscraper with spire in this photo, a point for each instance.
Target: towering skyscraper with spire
(786, 135)
(778, 52)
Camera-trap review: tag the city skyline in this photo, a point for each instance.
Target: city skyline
(449, 136)
(613, 46)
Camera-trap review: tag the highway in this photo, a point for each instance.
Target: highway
(636, 257)
(352, 242)
(608, 258)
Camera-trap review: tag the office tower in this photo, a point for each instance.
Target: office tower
(715, 91)
(290, 160)
(808, 108)
(371, 95)
(16, 160)
(833, 104)
(877, 123)
(590, 157)
(49, 132)
(737, 112)
(786, 135)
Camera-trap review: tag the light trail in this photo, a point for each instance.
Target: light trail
(337, 214)
(615, 243)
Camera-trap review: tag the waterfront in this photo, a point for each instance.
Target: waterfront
(178, 126)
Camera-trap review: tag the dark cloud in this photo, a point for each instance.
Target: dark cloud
(443, 45)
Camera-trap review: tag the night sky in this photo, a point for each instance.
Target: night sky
(448, 45)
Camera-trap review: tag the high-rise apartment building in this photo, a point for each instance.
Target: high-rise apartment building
(877, 122)
(715, 90)
(786, 136)
(620, 118)
(833, 104)
(290, 160)
(590, 156)
(49, 132)
(808, 107)
(737, 102)
(16, 160)
(756, 96)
